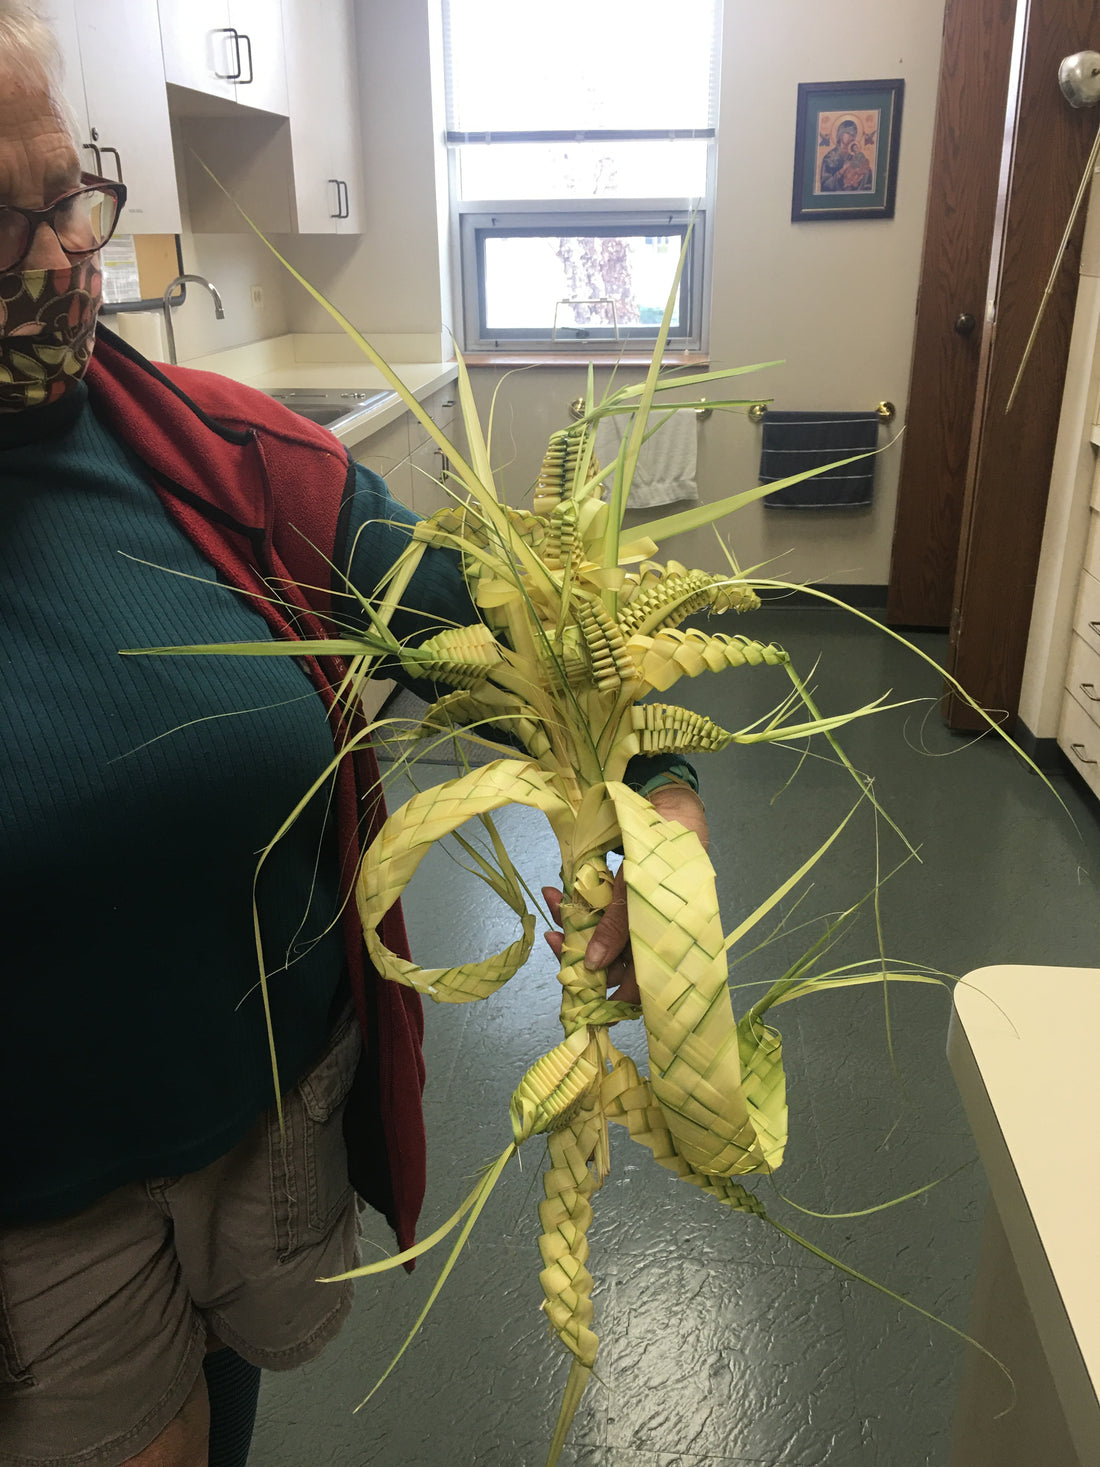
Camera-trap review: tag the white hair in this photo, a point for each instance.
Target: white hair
(26, 37)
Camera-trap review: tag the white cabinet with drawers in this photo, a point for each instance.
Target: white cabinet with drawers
(1079, 725)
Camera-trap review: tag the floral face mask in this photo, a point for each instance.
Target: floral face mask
(47, 325)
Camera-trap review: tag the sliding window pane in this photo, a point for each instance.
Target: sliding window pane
(528, 275)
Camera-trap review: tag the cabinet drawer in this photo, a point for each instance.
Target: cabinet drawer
(1083, 678)
(1079, 739)
(1086, 620)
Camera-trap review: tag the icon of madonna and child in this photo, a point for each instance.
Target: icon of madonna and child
(846, 152)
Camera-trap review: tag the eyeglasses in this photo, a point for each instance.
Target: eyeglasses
(83, 220)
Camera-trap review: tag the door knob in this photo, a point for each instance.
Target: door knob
(964, 323)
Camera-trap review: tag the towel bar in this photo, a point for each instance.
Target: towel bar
(576, 410)
(886, 412)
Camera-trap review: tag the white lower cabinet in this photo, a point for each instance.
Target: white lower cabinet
(387, 453)
(426, 459)
(1079, 726)
(408, 458)
(1079, 738)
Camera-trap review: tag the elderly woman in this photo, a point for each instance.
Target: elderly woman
(160, 1239)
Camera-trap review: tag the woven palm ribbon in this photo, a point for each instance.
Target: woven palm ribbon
(404, 841)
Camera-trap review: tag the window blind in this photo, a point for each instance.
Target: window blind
(596, 68)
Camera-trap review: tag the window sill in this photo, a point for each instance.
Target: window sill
(582, 359)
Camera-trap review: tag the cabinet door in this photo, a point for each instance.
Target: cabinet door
(322, 93)
(259, 23)
(197, 46)
(427, 461)
(387, 453)
(427, 467)
(60, 16)
(347, 139)
(231, 49)
(114, 81)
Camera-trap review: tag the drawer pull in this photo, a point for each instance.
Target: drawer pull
(1081, 751)
(1089, 690)
(1095, 625)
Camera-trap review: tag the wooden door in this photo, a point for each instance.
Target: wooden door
(1047, 144)
(958, 237)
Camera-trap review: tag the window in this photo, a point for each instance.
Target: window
(582, 140)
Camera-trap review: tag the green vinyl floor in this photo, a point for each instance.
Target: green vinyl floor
(723, 1341)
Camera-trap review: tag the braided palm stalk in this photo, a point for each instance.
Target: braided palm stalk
(577, 643)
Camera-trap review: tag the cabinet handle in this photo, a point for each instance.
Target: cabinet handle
(118, 160)
(98, 160)
(343, 205)
(251, 77)
(229, 30)
(1081, 751)
(1089, 690)
(1095, 625)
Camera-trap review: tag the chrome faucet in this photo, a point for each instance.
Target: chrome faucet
(219, 311)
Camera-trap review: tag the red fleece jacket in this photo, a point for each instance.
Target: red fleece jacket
(260, 492)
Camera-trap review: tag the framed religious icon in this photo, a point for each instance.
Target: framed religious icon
(846, 149)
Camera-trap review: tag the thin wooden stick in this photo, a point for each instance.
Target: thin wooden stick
(1089, 166)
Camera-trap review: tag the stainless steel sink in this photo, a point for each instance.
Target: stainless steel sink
(327, 405)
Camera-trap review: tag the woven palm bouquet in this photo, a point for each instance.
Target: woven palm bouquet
(577, 631)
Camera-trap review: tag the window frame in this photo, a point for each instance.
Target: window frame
(478, 220)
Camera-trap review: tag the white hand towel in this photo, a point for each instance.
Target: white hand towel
(666, 464)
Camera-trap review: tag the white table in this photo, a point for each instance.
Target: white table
(1024, 1046)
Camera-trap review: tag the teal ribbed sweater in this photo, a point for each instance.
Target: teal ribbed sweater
(136, 793)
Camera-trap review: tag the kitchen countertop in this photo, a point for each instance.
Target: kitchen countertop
(1023, 1046)
(327, 360)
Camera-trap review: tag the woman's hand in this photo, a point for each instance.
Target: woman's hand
(609, 945)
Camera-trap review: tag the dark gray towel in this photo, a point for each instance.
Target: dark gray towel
(794, 442)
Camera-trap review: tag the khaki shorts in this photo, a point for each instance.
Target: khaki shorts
(104, 1315)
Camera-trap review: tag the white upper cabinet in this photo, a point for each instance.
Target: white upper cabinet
(323, 92)
(114, 82)
(231, 49)
(300, 176)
